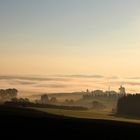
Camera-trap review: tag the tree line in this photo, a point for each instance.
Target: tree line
(129, 105)
(8, 93)
(26, 103)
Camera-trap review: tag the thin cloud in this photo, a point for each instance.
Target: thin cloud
(17, 82)
(133, 83)
(133, 78)
(52, 85)
(113, 77)
(32, 78)
(125, 83)
(83, 76)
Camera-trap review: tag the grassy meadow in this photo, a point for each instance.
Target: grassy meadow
(89, 114)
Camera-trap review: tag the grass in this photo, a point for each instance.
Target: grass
(90, 114)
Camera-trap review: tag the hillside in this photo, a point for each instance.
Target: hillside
(28, 121)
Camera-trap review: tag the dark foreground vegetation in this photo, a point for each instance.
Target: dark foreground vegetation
(26, 103)
(15, 121)
(129, 105)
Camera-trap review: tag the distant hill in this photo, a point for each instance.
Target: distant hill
(61, 96)
(66, 94)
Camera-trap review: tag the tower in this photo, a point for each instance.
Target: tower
(122, 90)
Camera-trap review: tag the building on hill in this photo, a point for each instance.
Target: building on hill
(110, 94)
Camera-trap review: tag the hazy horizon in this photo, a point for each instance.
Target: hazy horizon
(29, 85)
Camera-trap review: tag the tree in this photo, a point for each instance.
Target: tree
(129, 105)
(8, 93)
(12, 92)
(44, 99)
(122, 90)
(97, 105)
(53, 100)
(71, 101)
(20, 100)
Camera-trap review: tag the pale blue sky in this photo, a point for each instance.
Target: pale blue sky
(90, 31)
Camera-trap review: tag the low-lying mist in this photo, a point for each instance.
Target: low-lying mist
(31, 86)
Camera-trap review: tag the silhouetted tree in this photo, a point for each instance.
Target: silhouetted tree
(8, 93)
(97, 105)
(53, 100)
(71, 101)
(44, 99)
(129, 105)
(20, 100)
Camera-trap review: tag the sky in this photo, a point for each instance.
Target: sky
(88, 37)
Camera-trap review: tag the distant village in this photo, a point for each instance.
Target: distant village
(107, 94)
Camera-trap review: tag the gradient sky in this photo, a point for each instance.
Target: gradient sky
(70, 37)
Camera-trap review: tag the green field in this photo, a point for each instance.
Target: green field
(90, 114)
